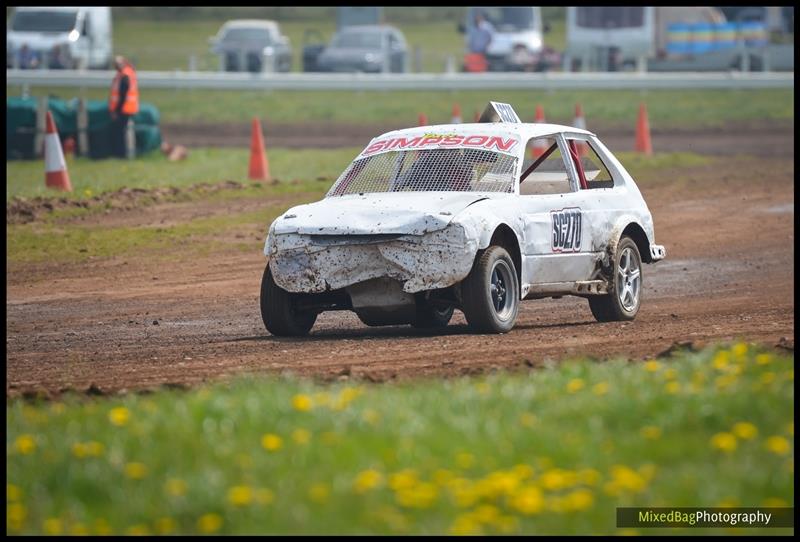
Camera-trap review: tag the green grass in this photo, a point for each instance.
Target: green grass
(92, 177)
(666, 109)
(549, 451)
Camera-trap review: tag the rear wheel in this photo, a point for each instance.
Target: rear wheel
(279, 312)
(625, 289)
(491, 292)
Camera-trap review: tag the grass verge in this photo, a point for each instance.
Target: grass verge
(549, 451)
(666, 108)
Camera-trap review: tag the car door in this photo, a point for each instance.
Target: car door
(601, 194)
(557, 246)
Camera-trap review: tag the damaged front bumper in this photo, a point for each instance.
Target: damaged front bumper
(316, 263)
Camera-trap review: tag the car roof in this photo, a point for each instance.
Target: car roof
(368, 28)
(250, 23)
(522, 129)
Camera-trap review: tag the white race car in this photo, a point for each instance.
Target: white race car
(435, 218)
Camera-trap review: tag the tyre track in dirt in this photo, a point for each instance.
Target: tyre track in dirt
(729, 274)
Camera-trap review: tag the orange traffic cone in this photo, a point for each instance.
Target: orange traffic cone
(540, 144)
(55, 168)
(643, 143)
(422, 120)
(456, 115)
(259, 166)
(580, 122)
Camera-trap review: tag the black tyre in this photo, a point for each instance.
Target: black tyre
(491, 292)
(625, 289)
(278, 310)
(430, 317)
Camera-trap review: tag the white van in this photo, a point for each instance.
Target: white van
(59, 38)
(517, 38)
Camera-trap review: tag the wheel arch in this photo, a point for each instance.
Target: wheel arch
(505, 237)
(638, 235)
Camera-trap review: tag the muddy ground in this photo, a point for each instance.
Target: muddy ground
(133, 323)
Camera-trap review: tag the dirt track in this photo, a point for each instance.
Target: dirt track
(134, 323)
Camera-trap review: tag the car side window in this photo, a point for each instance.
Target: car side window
(591, 165)
(550, 176)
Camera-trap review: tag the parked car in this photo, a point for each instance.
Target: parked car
(252, 45)
(365, 48)
(430, 219)
(59, 38)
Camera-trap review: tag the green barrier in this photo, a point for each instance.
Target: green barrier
(21, 126)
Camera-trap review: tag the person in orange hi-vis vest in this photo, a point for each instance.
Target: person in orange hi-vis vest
(123, 103)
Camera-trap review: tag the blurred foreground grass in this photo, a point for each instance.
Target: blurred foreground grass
(547, 451)
(611, 108)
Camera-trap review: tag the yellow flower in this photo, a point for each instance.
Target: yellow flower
(240, 495)
(773, 502)
(138, 530)
(580, 499)
(15, 515)
(486, 513)
(165, 525)
(271, 442)
(724, 441)
(319, 493)
(527, 419)
(624, 479)
(264, 496)
(175, 487)
(652, 365)
(78, 529)
(651, 432)
(301, 436)
(422, 495)
(506, 524)
(465, 525)
(745, 430)
(522, 472)
(102, 527)
(528, 500)
(725, 381)
(87, 192)
(730, 502)
(403, 479)
(135, 471)
(94, 448)
(78, 450)
(209, 523)
(670, 374)
(672, 387)
(366, 480)
(465, 460)
(370, 416)
(739, 350)
(52, 526)
(556, 479)
(778, 445)
(483, 388)
(442, 476)
(721, 359)
(601, 388)
(13, 493)
(767, 377)
(119, 416)
(303, 403)
(763, 359)
(25, 444)
(589, 477)
(576, 384)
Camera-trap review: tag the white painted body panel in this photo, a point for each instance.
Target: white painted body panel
(429, 240)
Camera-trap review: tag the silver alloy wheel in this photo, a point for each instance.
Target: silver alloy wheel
(501, 287)
(629, 280)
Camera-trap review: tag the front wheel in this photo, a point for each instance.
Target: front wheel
(491, 292)
(278, 310)
(625, 289)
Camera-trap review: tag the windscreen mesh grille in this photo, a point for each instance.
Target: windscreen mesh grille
(433, 170)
